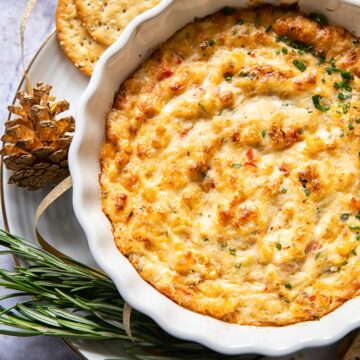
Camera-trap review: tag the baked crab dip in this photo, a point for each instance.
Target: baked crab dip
(231, 165)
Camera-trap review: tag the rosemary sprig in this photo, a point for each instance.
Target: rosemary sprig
(65, 298)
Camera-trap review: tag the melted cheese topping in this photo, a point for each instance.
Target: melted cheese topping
(230, 171)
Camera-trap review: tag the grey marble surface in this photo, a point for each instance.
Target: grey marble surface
(40, 24)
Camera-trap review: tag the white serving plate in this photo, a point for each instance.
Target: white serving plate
(120, 60)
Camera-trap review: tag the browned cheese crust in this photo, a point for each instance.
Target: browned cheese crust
(230, 171)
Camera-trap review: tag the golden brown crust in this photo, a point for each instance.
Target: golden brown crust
(79, 47)
(230, 166)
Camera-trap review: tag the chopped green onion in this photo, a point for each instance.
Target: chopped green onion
(236, 166)
(354, 227)
(228, 77)
(316, 101)
(300, 65)
(232, 251)
(344, 84)
(321, 19)
(350, 126)
(278, 246)
(268, 28)
(263, 133)
(284, 50)
(342, 96)
(347, 75)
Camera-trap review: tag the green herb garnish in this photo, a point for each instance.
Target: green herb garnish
(288, 286)
(228, 76)
(236, 166)
(278, 246)
(344, 84)
(263, 133)
(354, 227)
(268, 28)
(321, 19)
(343, 96)
(350, 126)
(232, 251)
(284, 50)
(347, 75)
(300, 65)
(316, 101)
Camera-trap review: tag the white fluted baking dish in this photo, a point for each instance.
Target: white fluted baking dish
(120, 60)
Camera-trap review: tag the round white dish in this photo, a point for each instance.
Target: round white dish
(59, 225)
(119, 61)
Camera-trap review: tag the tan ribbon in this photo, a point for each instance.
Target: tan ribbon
(24, 19)
(45, 203)
(127, 320)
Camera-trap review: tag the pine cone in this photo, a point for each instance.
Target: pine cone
(35, 144)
